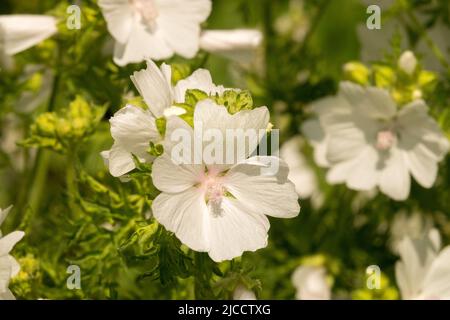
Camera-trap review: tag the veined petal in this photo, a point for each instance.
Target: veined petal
(172, 178)
(154, 88)
(119, 16)
(134, 125)
(423, 167)
(269, 193)
(375, 102)
(394, 177)
(22, 31)
(179, 23)
(141, 45)
(235, 230)
(9, 241)
(436, 284)
(199, 79)
(317, 137)
(417, 127)
(186, 215)
(244, 126)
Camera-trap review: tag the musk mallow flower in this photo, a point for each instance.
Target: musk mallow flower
(19, 32)
(9, 267)
(424, 269)
(133, 128)
(215, 207)
(311, 283)
(366, 141)
(155, 29)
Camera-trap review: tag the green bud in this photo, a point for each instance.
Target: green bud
(356, 72)
(384, 76)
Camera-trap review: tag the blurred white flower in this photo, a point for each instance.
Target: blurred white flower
(414, 225)
(221, 209)
(19, 32)
(242, 293)
(300, 173)
(424, 270)
(407, 62)
(9, 267)
(366, 142)
(155, 29)
(134, 128)
(311, 283)
(239, 44)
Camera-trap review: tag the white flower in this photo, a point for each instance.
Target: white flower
(407, 62)
(22, 31)
(367, 142)
(424, 269)
(242, 293)
(311, 283)
(221, 209)
(238, 44)
(414, 225)
(155, 29)
(134, 128)
(8, 265)
(300, 173)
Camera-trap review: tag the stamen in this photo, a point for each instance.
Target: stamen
(385, 139)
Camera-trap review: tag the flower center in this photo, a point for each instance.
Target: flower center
(214, 193)
(147, 10)
(385, 139)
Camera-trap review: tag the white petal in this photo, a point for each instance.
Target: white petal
(133, 125)
(215, 117)
(345, 144)
(237, 44)
(20, 32)
(169, 177)
(437, 281)
(372, 101)
(417, 127)
(179, 22)
(236, 230)
(7, 295)
(119, 16)
(242, 293)
(9, 241)
(154, 88)
(316, 135)
(416, 258)
(186, 215)
(141, 45)
(360, 172)
(199, 79)
(311, 283)
(394, 177)
(423, 167)
(272, 195)
(120, 160)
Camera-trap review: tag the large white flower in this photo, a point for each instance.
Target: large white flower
(22, 31)
(311, 283)
(216, 208)
(134, 128)
(8, 265)
(367, 142)
(155, 29)
(300, 173)
(424, 269)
